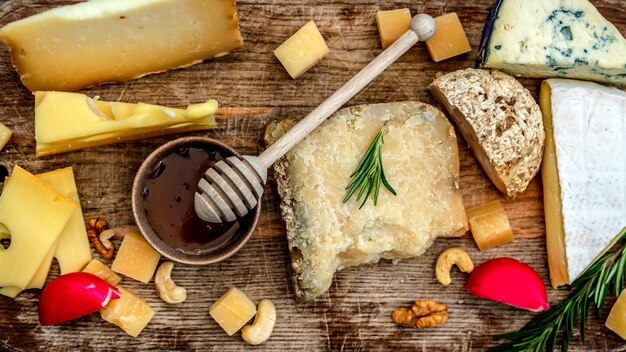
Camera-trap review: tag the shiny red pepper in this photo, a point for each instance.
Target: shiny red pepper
(74, 295)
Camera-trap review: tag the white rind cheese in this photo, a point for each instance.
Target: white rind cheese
(588, 141)
(553, 38)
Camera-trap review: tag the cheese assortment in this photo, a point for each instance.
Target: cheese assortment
(72, 121)
(72, 47)
(553, 38)
(583, 172)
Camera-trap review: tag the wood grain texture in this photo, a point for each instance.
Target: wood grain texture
(253, 89)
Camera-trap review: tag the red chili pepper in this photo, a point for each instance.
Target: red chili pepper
(74, 295)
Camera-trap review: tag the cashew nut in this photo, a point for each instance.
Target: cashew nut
(165, 287)
(448, 258)
(263, 325)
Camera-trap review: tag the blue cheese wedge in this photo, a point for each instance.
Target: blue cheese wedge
(421, 163)
(553, 38)
(583, 172)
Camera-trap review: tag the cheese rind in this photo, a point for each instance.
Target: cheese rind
(81, 45)
(584, 175)
(392, 25)
(70, 121)
(553, 38)
(35, 216)
(421, 162)
(302, 50)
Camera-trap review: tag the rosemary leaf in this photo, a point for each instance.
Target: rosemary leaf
(369, 173)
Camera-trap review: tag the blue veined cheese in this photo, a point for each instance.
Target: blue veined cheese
(553, 38)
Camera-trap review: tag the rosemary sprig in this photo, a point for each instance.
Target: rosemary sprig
(606, 273)
(369, 174)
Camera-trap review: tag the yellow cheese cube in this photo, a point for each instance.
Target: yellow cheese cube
(302, 50)
(392, 25)
(102, 271)
(130, 312)
(489, 225)
(5, 135)
(616, 320)
(449, 39)
(233, 310)
(136, 258)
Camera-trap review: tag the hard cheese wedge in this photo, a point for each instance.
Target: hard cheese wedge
(583, 172)
(5, 135)
(130, 312)
(73, 47)
(70, 121)
(553, 38)
(35, 216)
(392, 25)
(302, 50)
(233, 310)
(421, 162)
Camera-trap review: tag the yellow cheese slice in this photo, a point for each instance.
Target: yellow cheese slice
(35, 216)
(70, 121)
(93, 42)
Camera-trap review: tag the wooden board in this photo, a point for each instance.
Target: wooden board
(253, 89)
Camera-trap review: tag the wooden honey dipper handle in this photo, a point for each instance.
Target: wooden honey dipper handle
(422, 28)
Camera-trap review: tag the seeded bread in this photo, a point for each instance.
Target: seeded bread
(420, 158)
(500, 121)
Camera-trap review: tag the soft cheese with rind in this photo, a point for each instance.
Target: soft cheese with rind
(553, 38)
(421, 161)
(584, 172)
(102, 41)
(500, 121)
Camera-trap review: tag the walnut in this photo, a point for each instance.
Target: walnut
(423, 314)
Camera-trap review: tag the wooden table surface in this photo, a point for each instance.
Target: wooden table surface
(252, 89)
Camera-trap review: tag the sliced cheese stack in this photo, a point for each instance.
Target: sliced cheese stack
(51, 199)
(583, 171)
(71, 121)
(553, 38)
(77, 46)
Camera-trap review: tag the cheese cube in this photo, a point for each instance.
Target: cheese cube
(73, 47)
(102, 271)
(489, 225)
(392, 25)
(616, 321)
(449, 39)
(233, 310)
(130, 312)
(5, 135)
(302, 50)
(136, 258)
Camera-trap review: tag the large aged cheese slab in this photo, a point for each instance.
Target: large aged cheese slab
(500, 121)
(35, 216)
(553, 38)
(70, 121)
(421, 162)
(583, 172)
(102, 41)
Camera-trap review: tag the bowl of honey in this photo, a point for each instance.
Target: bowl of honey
(163, 204)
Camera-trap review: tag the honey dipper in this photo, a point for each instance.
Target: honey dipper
(234, 186)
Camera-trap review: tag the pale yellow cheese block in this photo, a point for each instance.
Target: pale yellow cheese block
(392, 25)
(130, 312)
(102, 271)
(77, 46)
(232, 311)
(302, 50)
(71, 121)
(616, 321)
(26, 198)
(136, 258)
